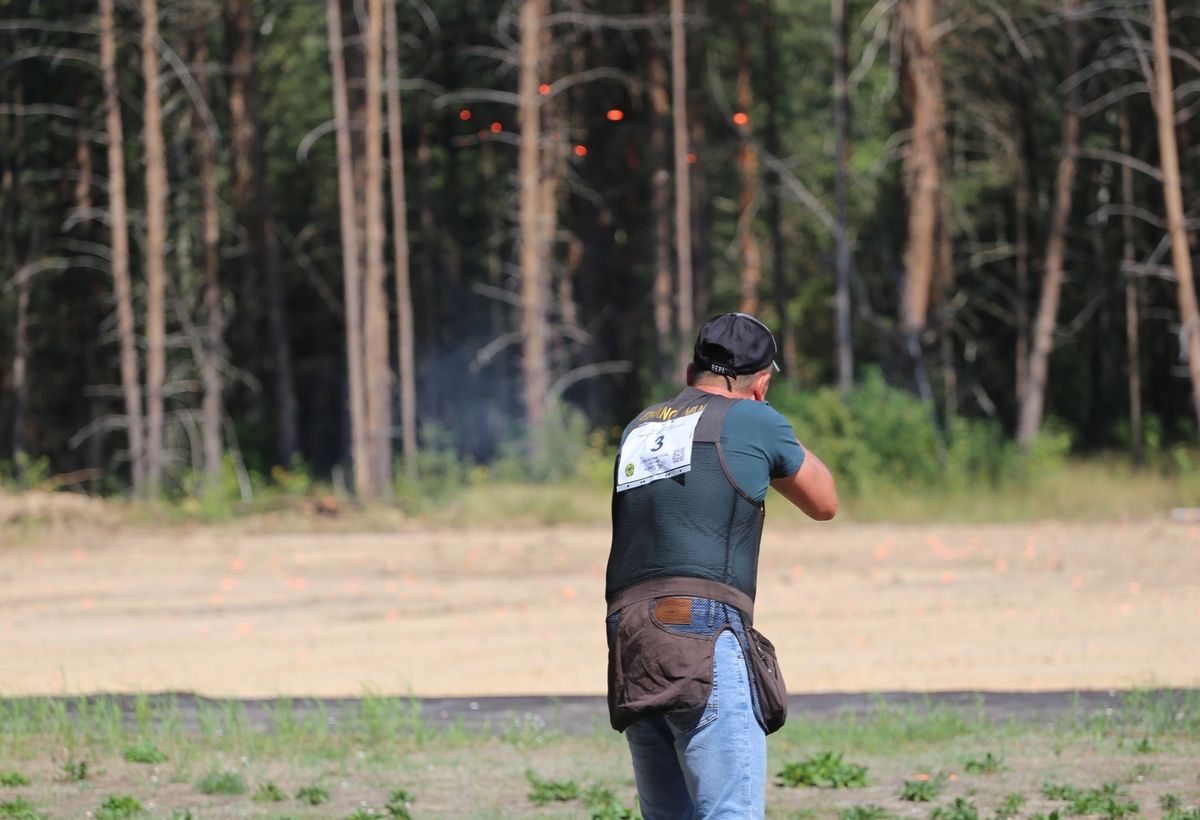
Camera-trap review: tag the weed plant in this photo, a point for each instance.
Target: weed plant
(963, 808)
(222, 781)
(312, 795)
(1010, 806)
(9, 779)
(867, 812)
(824, 770)
(269, 793)
(144, 752)
(922, 791)
(543, 791)
(120, 807)
(19, 809)
(988, 764)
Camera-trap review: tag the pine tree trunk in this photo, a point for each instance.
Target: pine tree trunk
(1021, 201)
(750, 255)
(1164, 109)
(660, 195)
(841, 128)
(1030, 420)
(921, 164)
(405, 358)
(375, 302)
(119, 223)
(683, 227)
(1132, 292)
(89, 332)
(20, 369)
(351, 276)
(156, 240)
(210, 368)
(253, 203)
(532, 259)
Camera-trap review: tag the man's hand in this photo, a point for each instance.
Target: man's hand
(811, 488)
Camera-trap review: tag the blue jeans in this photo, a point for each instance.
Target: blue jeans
(707, 764)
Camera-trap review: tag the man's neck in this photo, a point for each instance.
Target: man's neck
(721, 391)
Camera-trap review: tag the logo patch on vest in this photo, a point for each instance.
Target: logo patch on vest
(658, 449)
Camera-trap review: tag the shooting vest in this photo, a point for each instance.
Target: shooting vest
(676, 510)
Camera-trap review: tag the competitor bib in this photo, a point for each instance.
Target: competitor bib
(657, 450)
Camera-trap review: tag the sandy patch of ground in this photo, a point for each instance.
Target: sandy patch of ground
(1036, 606)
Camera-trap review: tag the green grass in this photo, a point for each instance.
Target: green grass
(221, 781)
(312, 795)
(19, 809)
(119, 807)
(1084, 758)
(10, 778)
(144, 752)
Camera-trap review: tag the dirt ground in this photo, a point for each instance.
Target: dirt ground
(225, 612)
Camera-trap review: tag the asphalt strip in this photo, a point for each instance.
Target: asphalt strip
(576, 714)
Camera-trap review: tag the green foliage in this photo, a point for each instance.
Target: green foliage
(312, 795)
(922, 791)
(442, 472)
(880, 438)
(144, 751)
(1169, 801)
(867, 812)
(988, 764)
(222, 781)
(1183, 814)
(269, 793)
(962, 808)
(19, 809)
(24, 472)
(12, 778)
(1109, 801)
(542, 791)
(75, 769)
(1010, 806)
(602, 804)
(824, 770)
(564, 440)
(399, 803)
(118, 807)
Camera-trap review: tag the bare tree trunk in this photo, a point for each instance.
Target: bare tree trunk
(841, 127)
(377, 370)
(156, 240)
(351, 276)
(253, 202)
(429, 312)
(1132, 288)
(1164, 108)
(405, 358)
(20, 368)
(699, 214)
(532, 259)
(1021, 215)
(921, 164)
(210, 368)
(94, 452)
(660, 181)
(750, 275)
(683, 198)
(119, 223)
(1030, 420)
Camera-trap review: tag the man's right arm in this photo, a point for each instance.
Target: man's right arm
(811, 488)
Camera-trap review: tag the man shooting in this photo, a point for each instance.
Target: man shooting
(692, 685)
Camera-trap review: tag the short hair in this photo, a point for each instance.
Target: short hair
(737, 384)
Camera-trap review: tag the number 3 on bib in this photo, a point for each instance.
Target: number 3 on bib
(656, 450)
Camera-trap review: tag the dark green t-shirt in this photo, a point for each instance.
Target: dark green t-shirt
(759, 446)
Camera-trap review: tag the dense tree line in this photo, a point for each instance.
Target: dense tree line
(236, 233)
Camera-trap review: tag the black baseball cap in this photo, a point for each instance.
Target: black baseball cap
(735, 344)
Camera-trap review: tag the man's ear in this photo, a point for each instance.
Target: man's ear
(691, 374)
(759, 390)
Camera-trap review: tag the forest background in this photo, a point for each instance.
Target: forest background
(971, 225)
